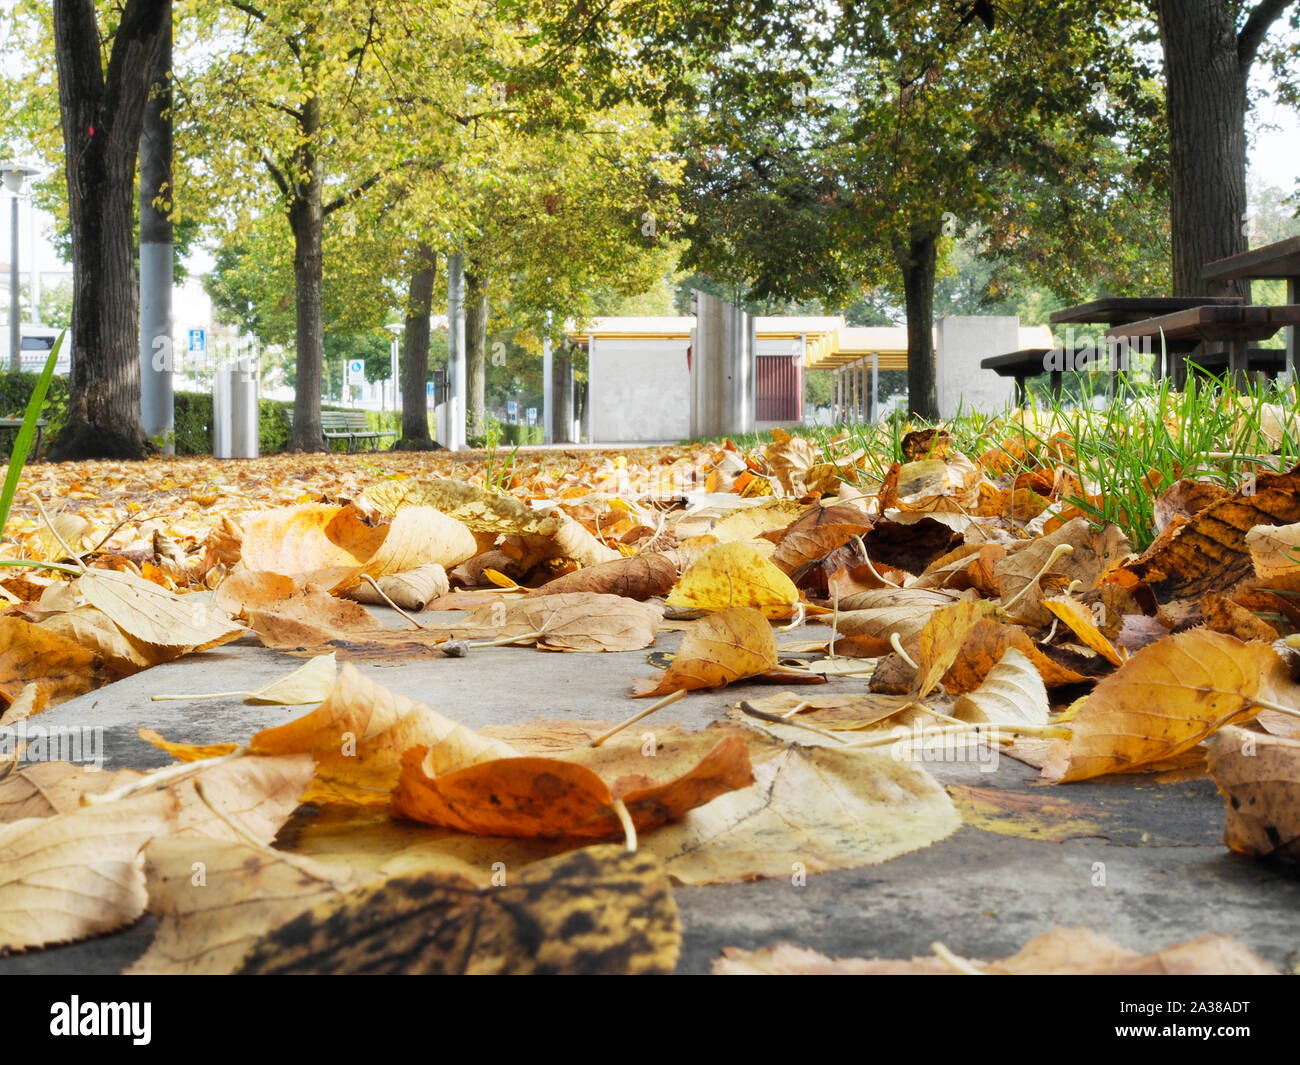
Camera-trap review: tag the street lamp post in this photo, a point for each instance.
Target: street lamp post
(14, 175)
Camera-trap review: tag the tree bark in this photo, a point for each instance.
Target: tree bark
(476, 320)
(1206, 110)
(1207, 66)
(917, 258)
(102, 110)
(415, 355)
(307, 221)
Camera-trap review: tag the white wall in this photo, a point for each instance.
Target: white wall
(638, 390)
(961, 342)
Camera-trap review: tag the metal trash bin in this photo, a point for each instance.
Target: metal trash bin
(235, 410)
(221, 423)
(244, 409)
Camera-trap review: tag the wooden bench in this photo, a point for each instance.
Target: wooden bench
(351, 426)
(17, 423)
(1022, 365)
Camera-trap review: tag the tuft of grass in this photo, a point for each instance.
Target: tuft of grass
(1123, 454)
(27, 434)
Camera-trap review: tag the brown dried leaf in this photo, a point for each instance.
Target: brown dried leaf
(1259, 777)
(638, 577)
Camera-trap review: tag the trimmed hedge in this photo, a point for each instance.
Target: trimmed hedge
(193, 417)
(16, 392)
(515, 435)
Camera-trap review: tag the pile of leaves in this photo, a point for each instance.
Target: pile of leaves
(955, 597)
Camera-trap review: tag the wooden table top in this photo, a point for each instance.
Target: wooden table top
(1115, 310)
(1277, 261)
(1017, 363)
(1213, 322)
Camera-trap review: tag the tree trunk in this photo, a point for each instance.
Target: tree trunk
(917, 256)
(102, 113)
(415, 355)
(476, 320)
(307, 221)
(1206, 108)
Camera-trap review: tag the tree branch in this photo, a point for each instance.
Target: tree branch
(249, 10)
(353, 193)
(141, 19)
(277, 176)
(1256, 29)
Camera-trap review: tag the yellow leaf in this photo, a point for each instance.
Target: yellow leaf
(730, 575)
(1164, 700)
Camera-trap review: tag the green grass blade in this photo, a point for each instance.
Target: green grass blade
(28, 431)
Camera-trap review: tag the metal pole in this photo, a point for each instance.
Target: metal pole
(34, 293)
(15, 314)
(157, 412)
(456, 352)
(548, 386)
(1293, 297)
(875, 386)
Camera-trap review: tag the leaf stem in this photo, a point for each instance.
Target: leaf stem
(671, 697)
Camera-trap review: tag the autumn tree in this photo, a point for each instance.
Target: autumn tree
(304, 95)
(850, 149)
(105, 68)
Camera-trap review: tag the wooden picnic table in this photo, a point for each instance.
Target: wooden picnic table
(1273, 262)
(1022, 365)
(1233, 325)
(1118, 310)
(1113, 311)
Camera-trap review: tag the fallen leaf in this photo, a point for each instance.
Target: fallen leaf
(639, 577)
(1060, 952)
(816, 533)
(76, 875)
(567, 621)
(312, 543)
(549, 797)
(31, 700)
(1079, 620)
(1094, 551)
(597, 911)
(1223, 615)
(1274, 550)
(735, 575)
(819, 807)
(29, 653)
(412, 590)
(941, 638)
(1012, 693)
(1259, 777)
(1164, 700)
(215, 899)
(1185, 499)
(147, 612)
(717, 650)
(357, 737)
(309, 683)
(1209, 552)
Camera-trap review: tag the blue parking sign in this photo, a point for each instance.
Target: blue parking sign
(198, 341)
